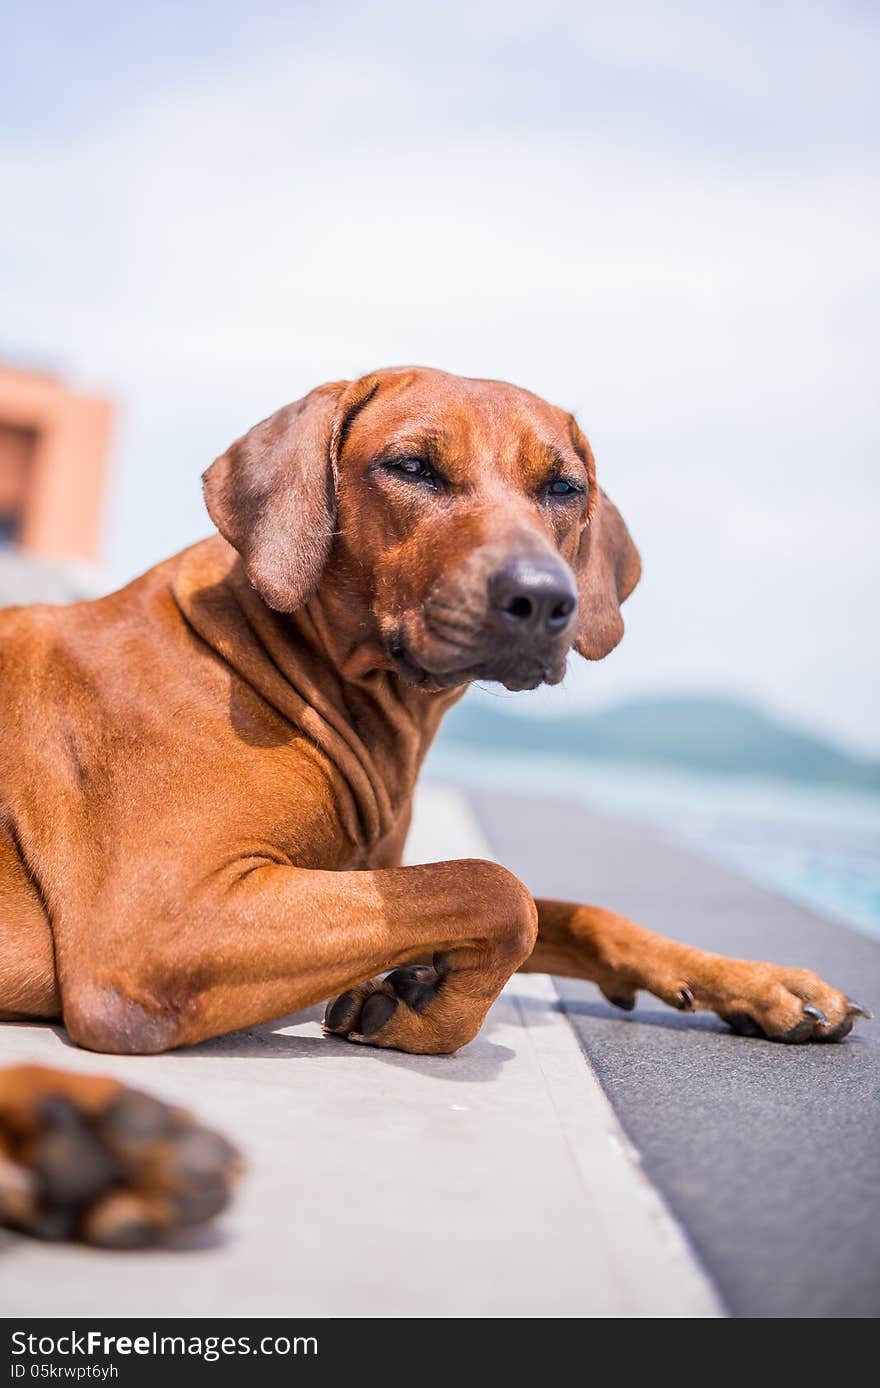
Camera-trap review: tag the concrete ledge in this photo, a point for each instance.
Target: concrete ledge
(492, 1183)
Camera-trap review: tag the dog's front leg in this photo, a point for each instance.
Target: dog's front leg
(756, 999)
(259, 943)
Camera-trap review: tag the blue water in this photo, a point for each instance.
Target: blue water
(817, 845)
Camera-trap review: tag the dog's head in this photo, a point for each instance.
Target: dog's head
(464, 514)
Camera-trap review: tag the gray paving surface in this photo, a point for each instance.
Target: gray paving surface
(768, 1154)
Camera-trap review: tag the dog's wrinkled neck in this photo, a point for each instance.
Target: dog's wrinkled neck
(321, 671)
(339, 623)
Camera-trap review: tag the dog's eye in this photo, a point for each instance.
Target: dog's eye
(416, 468)
(559, 487)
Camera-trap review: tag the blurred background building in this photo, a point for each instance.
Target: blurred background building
(54, 454)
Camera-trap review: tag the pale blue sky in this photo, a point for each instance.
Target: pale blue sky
(661, 215)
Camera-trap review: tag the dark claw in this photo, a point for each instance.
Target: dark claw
(855, 1009)
(375, 1013)
(685, 999)
(816, 1013)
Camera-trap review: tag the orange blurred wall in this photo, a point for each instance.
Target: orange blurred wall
(54, 446)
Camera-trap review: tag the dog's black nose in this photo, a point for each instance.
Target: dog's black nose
(534, 595)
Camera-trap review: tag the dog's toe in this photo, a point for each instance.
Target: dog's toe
(793, 1006)
(415, 985)
(376, 1011)
(372, 1011)
(343, 1012)
(71, 1164)
(361, 1012)
(121, 1220)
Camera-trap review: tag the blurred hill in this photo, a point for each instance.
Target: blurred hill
(694, 734)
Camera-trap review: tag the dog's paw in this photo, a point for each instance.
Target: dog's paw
(789, 1005)
(410, 1009)
(123, 1176)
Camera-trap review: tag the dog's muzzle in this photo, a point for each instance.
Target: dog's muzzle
(519, 636)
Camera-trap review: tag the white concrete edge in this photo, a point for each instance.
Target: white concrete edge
(658, 1272)
(643, 1242)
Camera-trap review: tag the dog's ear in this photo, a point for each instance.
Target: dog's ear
(607, 567)
(272, 495)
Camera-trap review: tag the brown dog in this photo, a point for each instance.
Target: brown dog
(205, 779)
